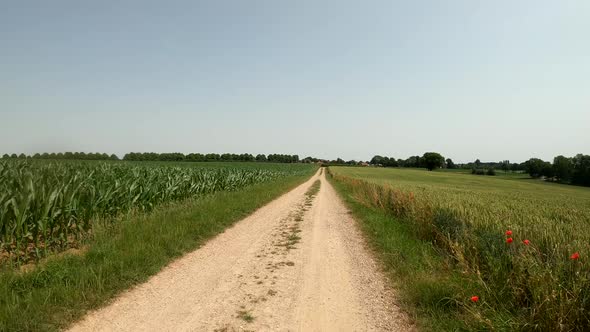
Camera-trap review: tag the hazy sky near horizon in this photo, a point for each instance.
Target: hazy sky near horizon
(471, 79)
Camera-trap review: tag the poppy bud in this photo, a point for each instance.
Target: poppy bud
(509, 240)
(508, 232)
(526, 242)
(474, 298)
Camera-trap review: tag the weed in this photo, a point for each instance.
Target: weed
(245, 315)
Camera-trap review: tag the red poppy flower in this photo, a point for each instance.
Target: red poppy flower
(575, 256)
(509, 240)
(474, 298)
(508, 232)
(526, 242)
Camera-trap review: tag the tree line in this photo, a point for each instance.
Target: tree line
(200, 157)
(504, 165)
(153, 156)
(574, 170)
(432, 160)
(429, 160)
(570, 170)
(63, 156)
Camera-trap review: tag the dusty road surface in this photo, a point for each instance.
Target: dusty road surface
(297, 264)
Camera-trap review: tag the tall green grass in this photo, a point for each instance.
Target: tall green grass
(525, 287)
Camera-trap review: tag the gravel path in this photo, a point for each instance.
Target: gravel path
(297, 264)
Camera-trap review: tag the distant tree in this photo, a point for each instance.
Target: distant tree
(433, 160)
(392, 162)
(384, 161)
(5, 156)
(283, 158)
(247, 157)
(477, 163)
(212, 157)
(114, 157)
(199, 157)
(414, 161)
(131, 156)
(22, 156)
(547, 171)
(581, 174)
(505, 164)
(13, 156)
(450, 163)
(174, 156)
(563, 168)
(376, 160)
(536, 167)
(195, 157)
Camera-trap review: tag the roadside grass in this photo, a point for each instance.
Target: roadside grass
(57, 292)
(521, 247)
(426, 286)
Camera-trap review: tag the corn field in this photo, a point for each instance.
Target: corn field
(50, 204)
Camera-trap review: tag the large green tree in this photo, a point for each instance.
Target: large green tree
(581, 175)
(450, 163)
(433, 160)
(536, 167)
(563, 168)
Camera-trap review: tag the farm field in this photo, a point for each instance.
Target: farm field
(75, 234)
(519, 245)
(296, 262)
(50, 204)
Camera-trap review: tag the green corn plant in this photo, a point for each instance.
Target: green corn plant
(50, 204)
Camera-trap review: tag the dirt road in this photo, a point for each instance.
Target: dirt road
(297, 264)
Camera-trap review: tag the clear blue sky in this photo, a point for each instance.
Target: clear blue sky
(471, 79)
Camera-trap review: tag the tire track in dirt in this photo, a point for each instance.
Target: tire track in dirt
(297, 264)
